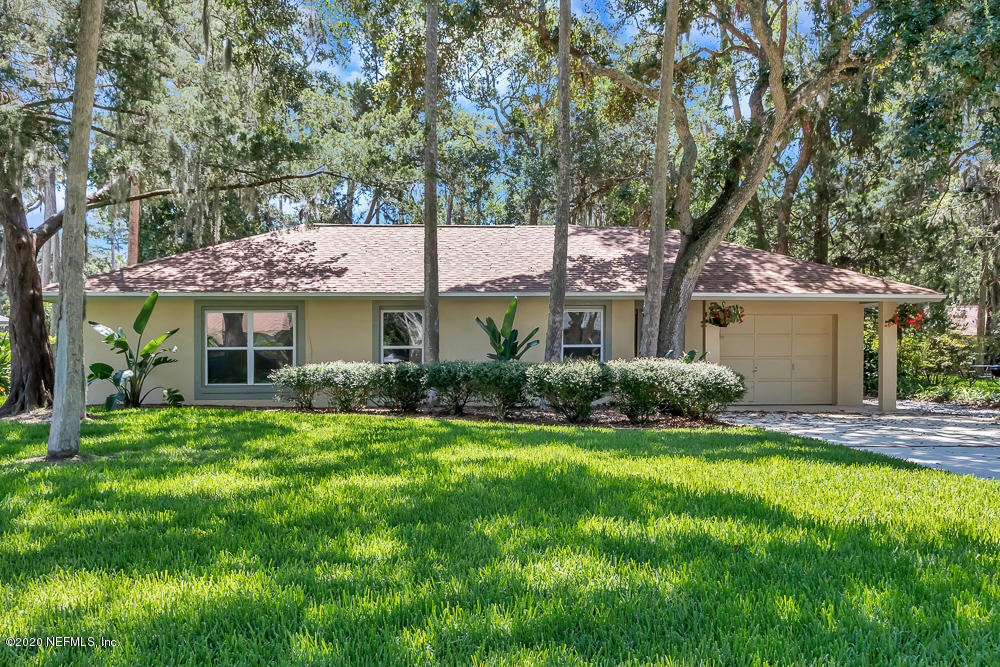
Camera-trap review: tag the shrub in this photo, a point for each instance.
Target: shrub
(400, 387)
(502, 384)
(570, 387)
(637, 388)
(348, 385)
(298, 384)
(698, 390)
(453, 382)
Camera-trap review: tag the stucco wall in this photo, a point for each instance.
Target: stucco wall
(118, 312)
(345, 328)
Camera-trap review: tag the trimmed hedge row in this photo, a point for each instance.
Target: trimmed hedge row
(639, 388)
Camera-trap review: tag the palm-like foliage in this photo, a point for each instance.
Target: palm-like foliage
(139, 362)
(503, 339)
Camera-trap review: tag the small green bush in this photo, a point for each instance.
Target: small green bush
(570, 387)
(348, 385)
(698, 390)
(637, 388)
(400, 387)
(502, 384)
(298, 384)
(453, 382)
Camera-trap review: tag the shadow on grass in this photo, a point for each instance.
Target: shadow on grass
(389, 540)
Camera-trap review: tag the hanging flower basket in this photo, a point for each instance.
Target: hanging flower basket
(907, 316)
(721, 315)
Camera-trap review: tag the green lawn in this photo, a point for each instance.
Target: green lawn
(224, 536)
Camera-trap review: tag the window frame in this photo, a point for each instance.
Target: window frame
(249, 348)
(602, 311)
(382, 347)
(248, 390)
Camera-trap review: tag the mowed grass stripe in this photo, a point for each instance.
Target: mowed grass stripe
(230, 537)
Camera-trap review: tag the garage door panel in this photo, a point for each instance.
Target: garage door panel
(774, 324)
(776, 391)
(738, 346)
(813, 392)
(774, 369)
(774, 345)
(812, 368)
(811, 345)
(743, 366)
(814, 324)
(792, 354)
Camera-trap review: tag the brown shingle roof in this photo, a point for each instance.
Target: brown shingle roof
(354, 259)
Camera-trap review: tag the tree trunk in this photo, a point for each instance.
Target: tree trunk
(533, 209)
(133, 223)
(560, 244)
(69, 401)
(371, 209)
(649, 338)
(692, 255)
(791, 185)
(49, 208)
(31, 374)
(431, 323)
(760, 230)
(349, 203)
(451, 204)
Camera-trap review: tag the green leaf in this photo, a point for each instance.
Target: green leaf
(508, 318)
(156, 342)
(172, 397)
(100, 371)
(142, 319)
(113, 401)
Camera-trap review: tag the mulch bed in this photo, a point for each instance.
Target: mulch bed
(601, 417)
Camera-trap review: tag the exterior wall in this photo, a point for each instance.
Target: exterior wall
(461, 337)
(338, 328)
(170, 313)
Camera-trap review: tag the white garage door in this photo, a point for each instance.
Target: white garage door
(786, 359)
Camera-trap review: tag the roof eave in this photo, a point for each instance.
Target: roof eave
(746, 296)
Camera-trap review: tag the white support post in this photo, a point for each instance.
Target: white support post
(887, 346)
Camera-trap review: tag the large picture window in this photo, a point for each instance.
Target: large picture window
(242, 347)
(583, 334)
(402, 336)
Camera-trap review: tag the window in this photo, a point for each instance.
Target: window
(583, 334)
(402, 336)
(243, 347)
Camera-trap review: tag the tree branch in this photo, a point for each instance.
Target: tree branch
(104, 197)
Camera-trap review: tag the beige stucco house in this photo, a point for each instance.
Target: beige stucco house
(353, 292)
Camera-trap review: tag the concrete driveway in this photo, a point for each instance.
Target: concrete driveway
(962, 440)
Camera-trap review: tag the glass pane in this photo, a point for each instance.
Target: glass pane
(582, 353)
(226, 329)
(582, 327)
(272, 329)
(269, 360)
(227, 366)
(403, 328)
(415, 355)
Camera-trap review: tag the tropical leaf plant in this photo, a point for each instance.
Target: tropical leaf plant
(504, 339)
(140, 361)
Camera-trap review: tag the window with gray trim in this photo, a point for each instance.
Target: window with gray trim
(242, 346)
(583, 333)
(401, 336)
